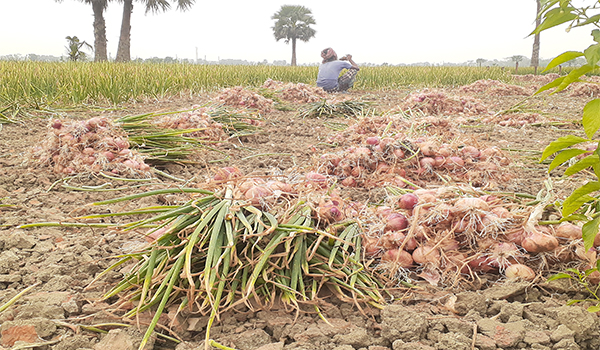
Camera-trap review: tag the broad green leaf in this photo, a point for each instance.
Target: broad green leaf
(560, 144)
(595, 33)
(564, 156)
(574, 76)
(590, 20)
(562, 58)
(554, 18)
(593, 308)
(592, 54)
(589, 232)
(559, 276)
(574, 217)
(579, 196)
(555, 83)
(582, 164)
(591, 117)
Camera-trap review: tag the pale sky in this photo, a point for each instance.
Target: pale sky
(375, 31)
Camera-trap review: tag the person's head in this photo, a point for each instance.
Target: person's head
(328, 55)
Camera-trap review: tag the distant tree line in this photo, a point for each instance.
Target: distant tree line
(480, 62)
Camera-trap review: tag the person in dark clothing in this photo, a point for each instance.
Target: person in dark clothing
(329, 72)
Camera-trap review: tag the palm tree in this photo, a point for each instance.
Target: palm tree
(100, 48)
(74, 48)
(124, 49)
(535, 55)
(517, 59)
(293, 23)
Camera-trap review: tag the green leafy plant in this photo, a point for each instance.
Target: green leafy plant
(584, 202)
(583, 278)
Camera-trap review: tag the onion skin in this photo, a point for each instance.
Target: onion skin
(396, 222)
(398, 256)
(227, 173)
(371, 247)
(317, 179)
(349, 182)
(427, 163)
(256, 195)
(470, 151)
(537, 242)
(408, 201)
(568, 231)
(372, 140)
(519, 272)
(426, 254)
(399, 153)
(471, 204)
(329, 211)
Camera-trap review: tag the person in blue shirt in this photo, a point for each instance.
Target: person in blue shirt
(329, 72)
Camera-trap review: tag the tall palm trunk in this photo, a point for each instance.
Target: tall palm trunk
(535, 55)
(294, 51)
(123, 52)
(99, 31)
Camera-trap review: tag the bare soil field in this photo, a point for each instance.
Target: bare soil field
(64, 311)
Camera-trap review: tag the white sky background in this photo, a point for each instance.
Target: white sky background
(376, 31)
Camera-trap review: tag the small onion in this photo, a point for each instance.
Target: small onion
(401, 257)
(56, 124)
(396, 222)
(257, 194)
(519, 272)
(408, 201)
(471, 204)
(454, 162)
(470, 151)
(227, 173)
(317, 179)
(569, 231)
(426, 254)
(349, 182)
(109, 155)
(399, 153)
(445, 151)
(427, 163)
(537, 242)
(372, 141)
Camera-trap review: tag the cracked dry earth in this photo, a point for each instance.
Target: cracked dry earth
(62, 311)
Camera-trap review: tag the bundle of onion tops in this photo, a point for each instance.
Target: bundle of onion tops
(218, 251)
(175, 136)
(343, 109)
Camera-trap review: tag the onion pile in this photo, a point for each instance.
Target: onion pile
(513, 119)
(447, 234)
(496, 88)
(430, 101)
(238, 96)
(297, 93)
(94, 145)
(438, 235)
(387, 160)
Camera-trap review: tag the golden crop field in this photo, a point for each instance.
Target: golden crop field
(29, 83)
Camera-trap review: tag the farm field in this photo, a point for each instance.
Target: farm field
(468, 154)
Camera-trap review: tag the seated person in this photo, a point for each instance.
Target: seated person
(329, 72)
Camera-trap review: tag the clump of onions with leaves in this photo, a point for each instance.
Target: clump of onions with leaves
(92, 145)
(223, 248)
